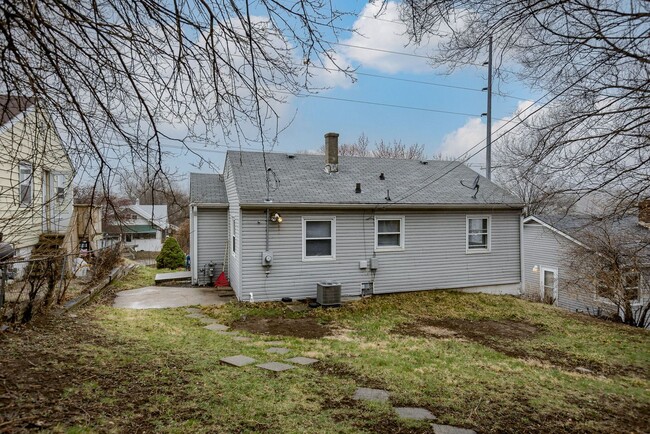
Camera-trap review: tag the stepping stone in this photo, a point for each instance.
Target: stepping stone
(366, 394)
(302, 360)
(239, 360)
(448, 429)
(207, 320)
(241, 338)
(233, 334)
(278, 350)
(275, 366)
(273, 342)
(195, 315)
(193, 310)
(415, 413)
(216, 327)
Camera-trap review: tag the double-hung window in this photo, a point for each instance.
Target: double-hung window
(26, 182)
(478, 234)
(389, 233)
(318, 238)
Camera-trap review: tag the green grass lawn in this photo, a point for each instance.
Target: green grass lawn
(490, 363)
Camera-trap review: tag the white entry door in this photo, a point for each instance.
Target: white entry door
(548, 285)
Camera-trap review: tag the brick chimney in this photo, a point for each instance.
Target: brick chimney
(331, 152)
(644, 212)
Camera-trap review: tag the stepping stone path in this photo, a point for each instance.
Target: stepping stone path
(415, 413)
(366, 394)
(273, 342)
(239, 360)
(241, 338)
(196, 315)
(216, 327)
(302, 360)
(276, 366)
(194, 310)
(278, 350)
(448, 429)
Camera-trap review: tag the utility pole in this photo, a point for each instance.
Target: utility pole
(488, 141)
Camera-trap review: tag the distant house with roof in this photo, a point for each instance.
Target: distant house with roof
(551, 244)
(35, 176)
(141, 227)
(279, 223)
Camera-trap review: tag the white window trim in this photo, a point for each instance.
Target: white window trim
(306, 258)
(489, 234)
(637, 303)
(555, 286)
(30, 182)
(233, 236)
(401, 247)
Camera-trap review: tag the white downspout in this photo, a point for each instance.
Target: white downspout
(521, 253)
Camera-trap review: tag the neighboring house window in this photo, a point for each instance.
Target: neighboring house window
(26, 181)
(549, 285)
(389, 233)
(478, 234)
(632, 286)
(319, 238)
(233, 228)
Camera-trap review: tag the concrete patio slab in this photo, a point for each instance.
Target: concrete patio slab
(367, 394)
(216, 327)
(275, 366)
(158, 297)
(239, 360)
(448, 429)
(277, 350)
(170, 277)
(302, 360)
(415, 413)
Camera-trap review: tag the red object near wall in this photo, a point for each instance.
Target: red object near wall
(221, 280)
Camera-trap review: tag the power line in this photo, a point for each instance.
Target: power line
(387, 105)
(502, 135)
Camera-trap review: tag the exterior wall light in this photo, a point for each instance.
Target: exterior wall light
(276, 217)
(535, 268)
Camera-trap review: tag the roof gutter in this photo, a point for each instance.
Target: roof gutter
(381, 206)
(209, 205)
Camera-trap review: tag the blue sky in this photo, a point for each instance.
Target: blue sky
(449, 134)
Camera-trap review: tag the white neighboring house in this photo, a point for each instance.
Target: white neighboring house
(35, 175)
(549, 243)
(145, 227)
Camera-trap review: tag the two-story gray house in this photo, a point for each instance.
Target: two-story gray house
(283, 222)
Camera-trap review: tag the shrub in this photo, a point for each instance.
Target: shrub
(171, 255)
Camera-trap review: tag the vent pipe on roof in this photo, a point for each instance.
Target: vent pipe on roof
(331, 152)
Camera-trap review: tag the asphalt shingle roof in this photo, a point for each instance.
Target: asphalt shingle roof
(301, 178)
(207, 188)
(12, 106)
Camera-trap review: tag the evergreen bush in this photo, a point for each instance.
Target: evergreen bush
(171, 255)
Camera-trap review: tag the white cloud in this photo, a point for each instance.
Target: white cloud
(387, 33)
(470, 137)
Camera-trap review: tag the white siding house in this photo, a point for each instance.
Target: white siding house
(550, 242)
(35, 175)
(142, 227)
(373, 225)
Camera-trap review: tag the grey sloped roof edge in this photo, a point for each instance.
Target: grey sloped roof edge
(207, 188)
(301, 179)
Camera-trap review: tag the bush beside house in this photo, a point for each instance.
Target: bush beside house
(171, 255)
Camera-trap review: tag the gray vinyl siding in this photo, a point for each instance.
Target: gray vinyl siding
(234, 212)
(545, 248)
(212, 226)
(434, 255)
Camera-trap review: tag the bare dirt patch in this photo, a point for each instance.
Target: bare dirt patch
(297, 327)
(50, 378)
(503, 336)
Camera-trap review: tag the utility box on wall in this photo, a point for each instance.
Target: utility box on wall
(267, 258)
